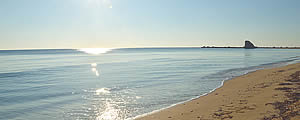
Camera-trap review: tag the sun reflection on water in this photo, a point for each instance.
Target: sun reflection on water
(110, 113)
(102, 91)
(110, 109)
(94, 64)
(94, 69)
(106, 103)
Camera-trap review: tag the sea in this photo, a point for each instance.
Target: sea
(120, 83)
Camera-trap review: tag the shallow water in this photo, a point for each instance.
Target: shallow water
(112, 84)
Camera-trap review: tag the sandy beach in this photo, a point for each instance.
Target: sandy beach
(269, 94)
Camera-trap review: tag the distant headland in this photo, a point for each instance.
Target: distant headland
(249, 45)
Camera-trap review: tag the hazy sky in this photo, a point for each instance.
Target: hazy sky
(147, 23)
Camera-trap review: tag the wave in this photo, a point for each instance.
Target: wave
(39, 71)
(12, 114)
(231, 73)
(31, 97)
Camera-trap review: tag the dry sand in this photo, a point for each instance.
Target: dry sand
(270, 94)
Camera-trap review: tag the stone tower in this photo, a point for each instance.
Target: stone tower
(249, 45)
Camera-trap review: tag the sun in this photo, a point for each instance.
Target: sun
(104, 3)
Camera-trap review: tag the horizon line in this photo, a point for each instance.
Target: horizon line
(151, 47)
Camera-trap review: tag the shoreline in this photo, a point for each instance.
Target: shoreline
(212, 105)
(156, 111)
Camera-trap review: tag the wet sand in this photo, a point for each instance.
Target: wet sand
(269, 94)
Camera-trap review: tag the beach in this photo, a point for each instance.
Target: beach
(268, 94)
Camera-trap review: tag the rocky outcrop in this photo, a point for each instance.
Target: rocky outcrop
(249, 45)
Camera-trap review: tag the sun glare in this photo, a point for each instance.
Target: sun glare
(105, 3)
(95, 51)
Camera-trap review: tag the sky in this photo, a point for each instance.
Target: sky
(34, 24)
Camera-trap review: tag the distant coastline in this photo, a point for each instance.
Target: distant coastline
(256, 47)
(250, 45)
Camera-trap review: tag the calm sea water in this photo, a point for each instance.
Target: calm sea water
(113, 84)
